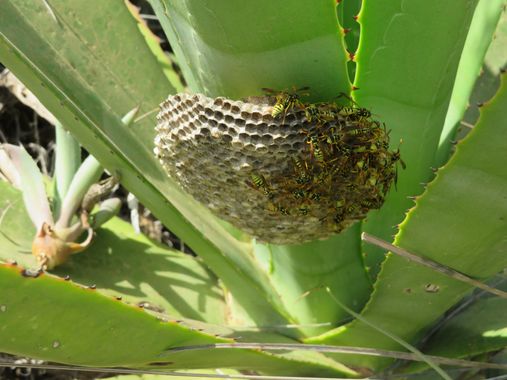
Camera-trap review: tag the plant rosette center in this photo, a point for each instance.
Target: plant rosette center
(283, 171)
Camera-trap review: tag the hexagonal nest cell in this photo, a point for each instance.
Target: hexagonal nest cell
(285, 179)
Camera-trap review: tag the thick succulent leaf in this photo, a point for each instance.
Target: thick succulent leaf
(347, 11)
(406, 65)
(56, 320)
(16, 228)
(43, 317)
(67, 162)
(489, 81)
(79, 63)
(260, 337)
(106, 210)
(122, 263)
(481, 328)
(299, 272)
(153, 43)
(31, 182)
(87, 174)
(460, 221)
(234, 49)
(479, 37)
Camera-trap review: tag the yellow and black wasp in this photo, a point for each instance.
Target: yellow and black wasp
(312, 113)
(358, 131)
(315, 150)
(301, 170)
(395, 158)
(328, 112)
(353, 112)
(286, 100)
(258, 182)
(278, 208)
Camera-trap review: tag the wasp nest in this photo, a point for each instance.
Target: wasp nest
(283, 171)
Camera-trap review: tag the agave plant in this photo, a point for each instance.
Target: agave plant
(274, 307)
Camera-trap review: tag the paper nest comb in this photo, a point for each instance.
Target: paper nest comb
(284, 180)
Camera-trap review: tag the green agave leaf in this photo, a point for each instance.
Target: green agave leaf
(31, 306)
(106, 210)
(88, 173)
(406, 64)
(488, 83)
(122, 263)
(16, 228)
(67, 162)
(260, 337)
(153, 43)
(348, 10)
(460, 221)
(481, 328)
(479, 37)
(299, 272)
(234, 49)
(52, 319)
(31, 182)
(80, 65)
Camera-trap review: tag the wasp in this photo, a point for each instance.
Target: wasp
(338, 218)
(362, 114)
(301, 170)
(303, 210)
(286, 100)
(298, 194)
(362, 165)
(368, 204)
(395, 158)
(372, 180)
(321, 177)
(335, 136)
(300, 165)
(315, 197)
(347, 111)
(328, 112)
(358, 131)
(353, 112)
(352, 211)
(312, 113)
(258, 180)
(259, 183)
(315, 150)
(277, 208)
(303, 180)
(282, 210)
(345, 151)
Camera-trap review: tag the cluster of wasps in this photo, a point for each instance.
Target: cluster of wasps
(345, 170)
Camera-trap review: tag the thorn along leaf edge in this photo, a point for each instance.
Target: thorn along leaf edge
(281, 170)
